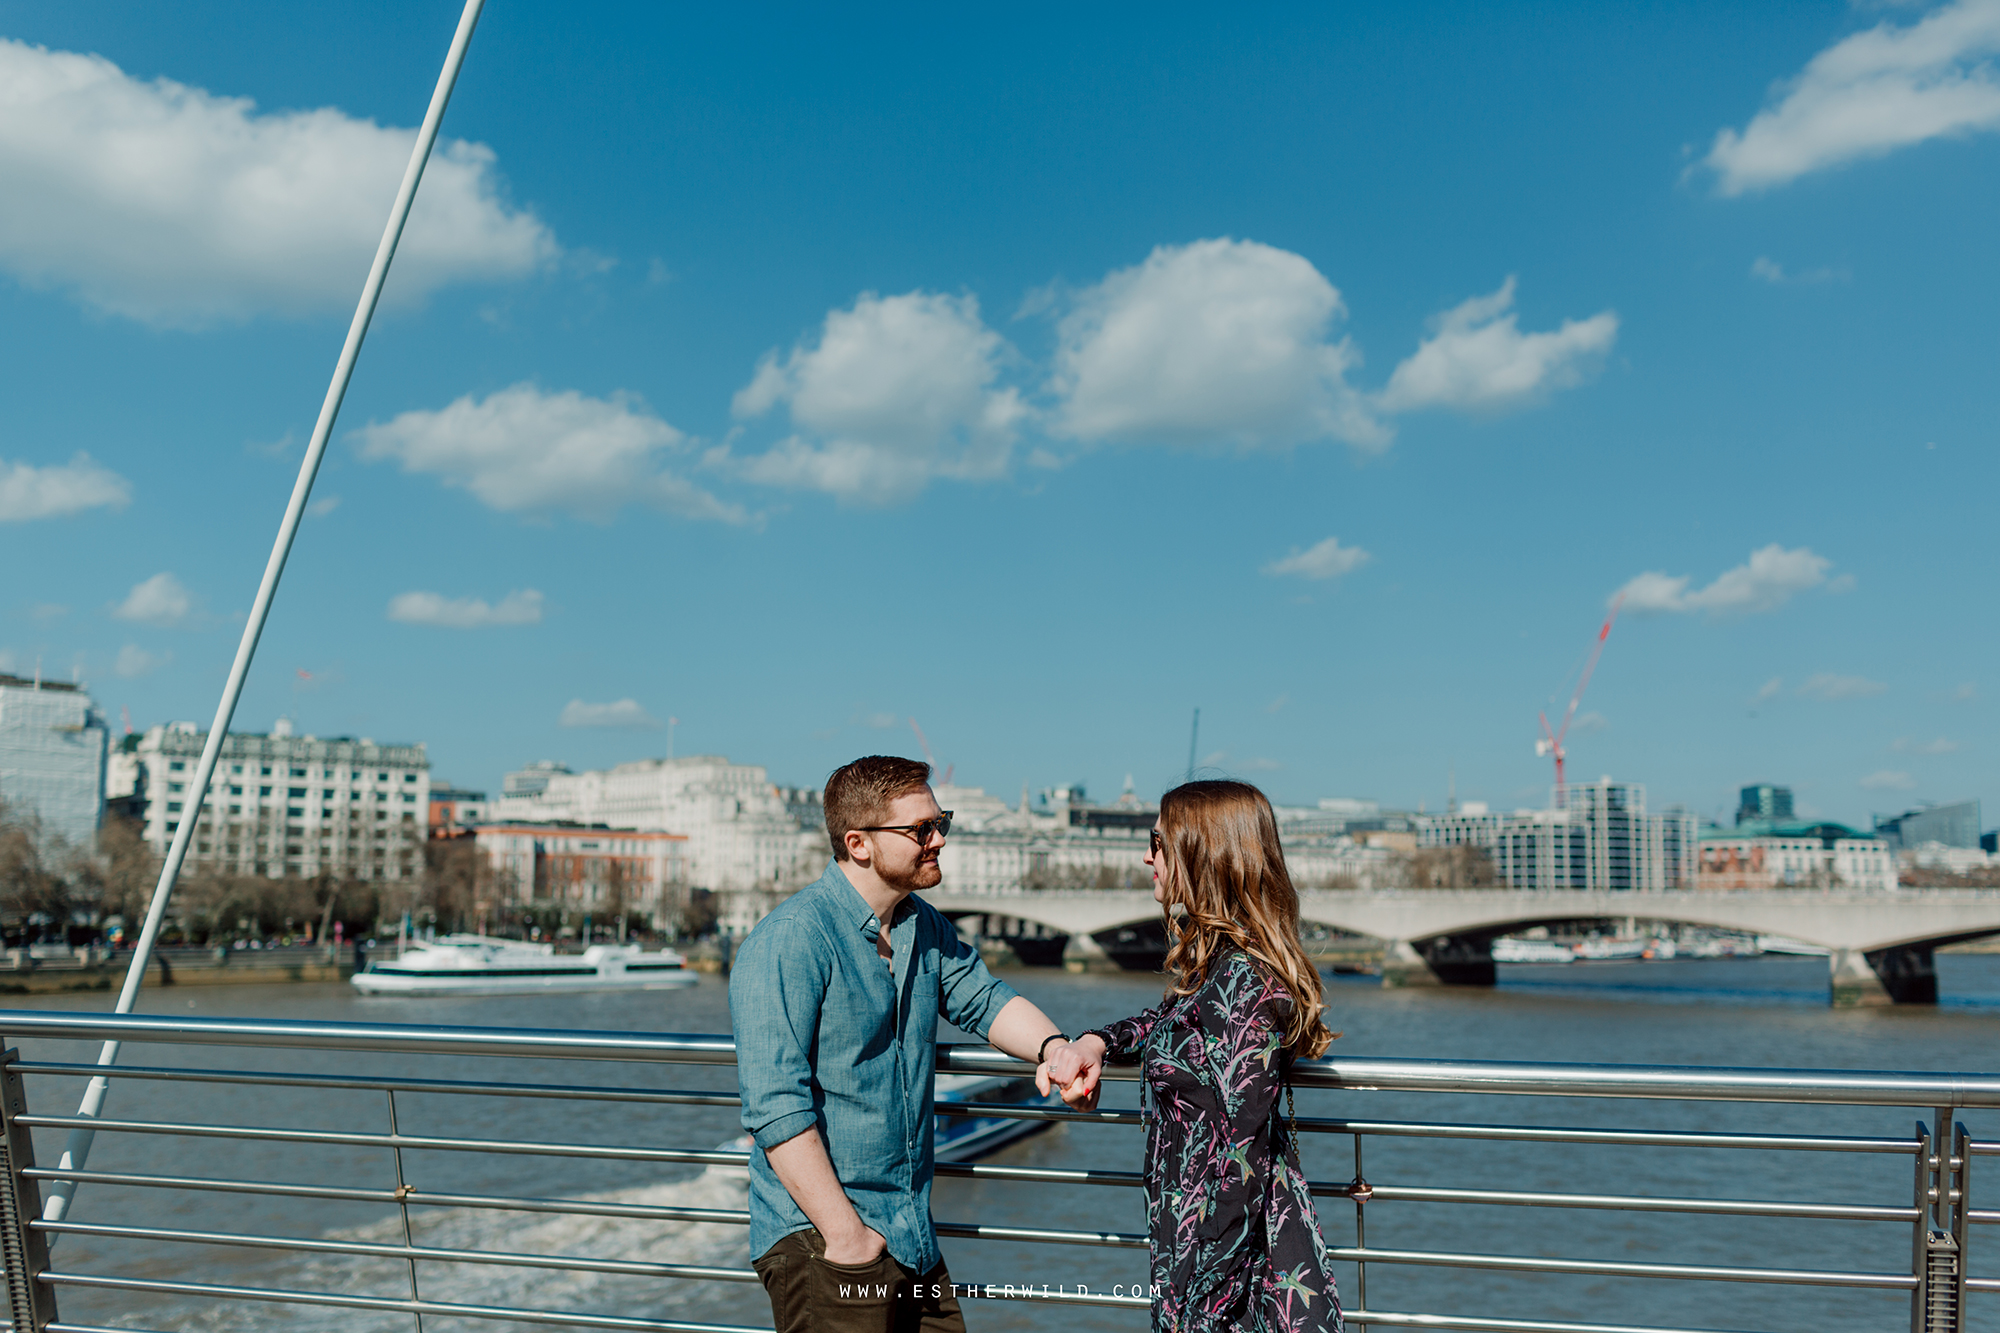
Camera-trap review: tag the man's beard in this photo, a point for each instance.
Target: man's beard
(924, 874)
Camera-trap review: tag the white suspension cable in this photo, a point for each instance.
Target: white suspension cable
(77, 1148)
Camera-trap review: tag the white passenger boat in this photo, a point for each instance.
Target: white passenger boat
(481, 965)
(1508, 949)
(1603, 950)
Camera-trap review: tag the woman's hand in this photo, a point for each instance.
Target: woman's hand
(1073, 1070)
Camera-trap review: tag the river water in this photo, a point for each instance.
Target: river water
(1762, 1012)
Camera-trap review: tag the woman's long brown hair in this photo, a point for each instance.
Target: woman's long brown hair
(1223, 866)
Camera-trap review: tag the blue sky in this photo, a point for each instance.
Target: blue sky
(1038, 375)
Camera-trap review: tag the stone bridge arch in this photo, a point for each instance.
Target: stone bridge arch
(1880, 945)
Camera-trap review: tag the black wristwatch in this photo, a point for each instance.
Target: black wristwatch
(1042, 1053)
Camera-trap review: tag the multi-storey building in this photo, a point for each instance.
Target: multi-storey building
(52, 753)
(1954, 825)
(1764, 801)
(740, 832)
(453, 809)
(1595, 835)
(1795, 854)
(591, 869)
(283, 805)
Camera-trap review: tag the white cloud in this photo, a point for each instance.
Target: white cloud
(1888, 779)
(1771, 271)
(178, 207)
(135, 661)
(323, 506)
(1590, 722)
(1769, 579)
(1906, 745)
(522, 450)
(1322, 560)
(1769, 690)
(1870, 94)
(1477, 359)
(898, 390)
(624, 713)
(160, 600)
(29, 492)
(431, 608)
(1828, 686)
(1220, 340)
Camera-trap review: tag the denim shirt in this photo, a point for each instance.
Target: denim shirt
(829, 1037)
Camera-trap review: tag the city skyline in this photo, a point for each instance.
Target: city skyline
(789, 376)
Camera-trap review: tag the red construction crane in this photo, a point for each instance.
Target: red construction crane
(930, 758)
(1552, 742)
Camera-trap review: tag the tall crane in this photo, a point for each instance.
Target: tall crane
(1551, 742)
(930, 758)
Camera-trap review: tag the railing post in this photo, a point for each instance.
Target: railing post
(1944, 1153)
(30, 1304)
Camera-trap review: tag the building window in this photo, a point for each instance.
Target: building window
(381, 777)
(173, 807)
(235, 791)
(298, 772)
(264, 791)
(176, 786)
(176, 766)
(265, 771)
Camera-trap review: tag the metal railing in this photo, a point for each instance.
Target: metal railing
(1932, 1219)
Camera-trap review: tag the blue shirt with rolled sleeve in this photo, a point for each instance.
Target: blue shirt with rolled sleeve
(831, 1037)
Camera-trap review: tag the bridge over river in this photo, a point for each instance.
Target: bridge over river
(1879, 944)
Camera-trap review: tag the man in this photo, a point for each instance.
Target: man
(835, 998)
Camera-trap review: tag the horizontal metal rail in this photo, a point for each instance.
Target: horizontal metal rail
(431, 1254)
(1474, 1324)
(1630, 1138)
(414, 1197)
(281, 1296)
(1314, 1124)
(1806, 1277)
(378, 1083)
(1846, 1212)
(1485, 1077)
(407, 1142)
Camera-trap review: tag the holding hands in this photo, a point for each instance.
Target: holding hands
(1073, 1069)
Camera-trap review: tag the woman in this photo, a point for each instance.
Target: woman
(1235, 1238)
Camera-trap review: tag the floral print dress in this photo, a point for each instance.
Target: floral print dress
(1235, 1236)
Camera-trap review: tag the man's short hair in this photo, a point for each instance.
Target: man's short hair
(859, 794)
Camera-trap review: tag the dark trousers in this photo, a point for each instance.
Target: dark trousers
(810, 1295)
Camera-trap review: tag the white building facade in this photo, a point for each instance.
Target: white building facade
(284, 805)
(993, 849)
(601, 870)
(1783, 858)
(53, 743)
(741, 834)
